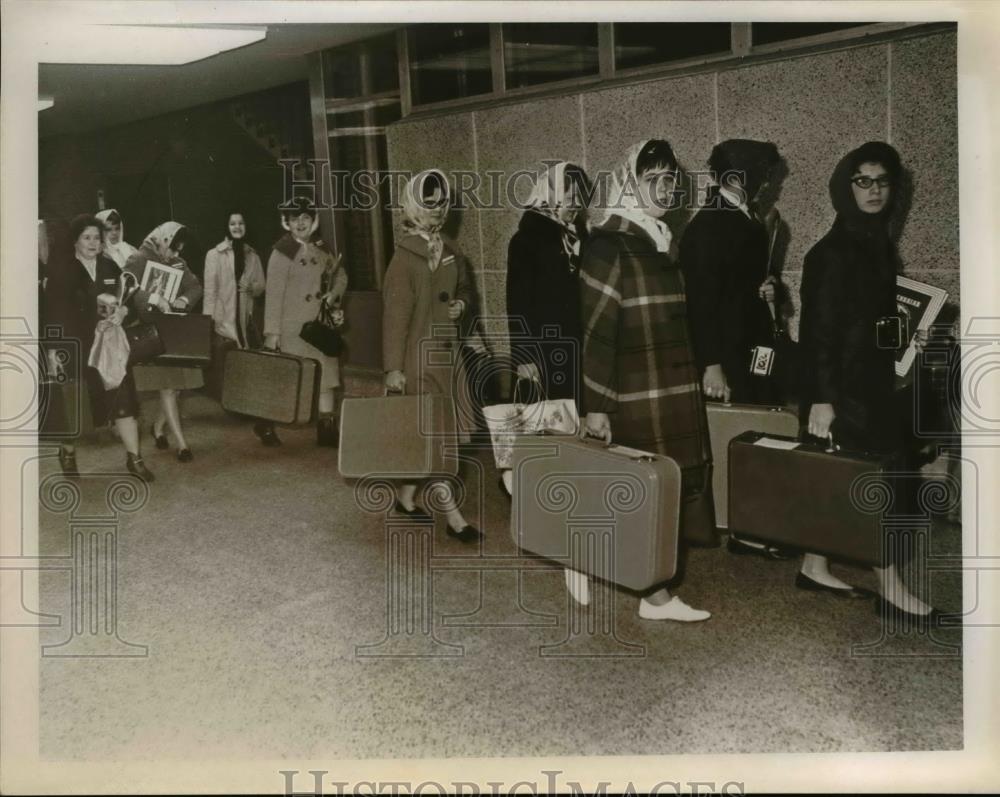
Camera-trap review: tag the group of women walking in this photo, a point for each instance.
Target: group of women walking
(658, 333)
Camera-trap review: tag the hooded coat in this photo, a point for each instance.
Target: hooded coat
(848, 282)
(724, 254)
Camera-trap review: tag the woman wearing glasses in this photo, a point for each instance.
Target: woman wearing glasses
(641, 385)
(426, 290)
(848, 285)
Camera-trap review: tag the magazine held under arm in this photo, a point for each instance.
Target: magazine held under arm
(918, 304)
(162, 280)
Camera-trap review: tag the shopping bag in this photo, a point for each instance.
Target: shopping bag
(508, 421)
(110, 353)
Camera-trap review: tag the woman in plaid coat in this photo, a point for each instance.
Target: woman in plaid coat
(641, 383)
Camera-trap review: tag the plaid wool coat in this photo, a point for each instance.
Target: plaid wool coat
(638, 363)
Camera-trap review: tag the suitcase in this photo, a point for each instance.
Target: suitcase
(801, 495)
(398, 435)
(64, 411)
(187, 338)
(726, 421)
(270, 385)
(609, 511)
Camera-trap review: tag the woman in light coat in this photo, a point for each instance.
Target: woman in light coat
(426, 290)
(301, 274)
(234, 277)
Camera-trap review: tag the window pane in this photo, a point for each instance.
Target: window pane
(541, 53)
(384, 66)
(342, 73)
(449, 61)
(645, 43)
(770, 32)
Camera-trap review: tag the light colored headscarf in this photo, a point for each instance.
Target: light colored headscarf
(121, 251)
(548, 195)
(312, 229)
(623, 200)
(160, 238)
(418, 219)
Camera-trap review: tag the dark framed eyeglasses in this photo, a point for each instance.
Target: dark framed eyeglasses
(864, 182)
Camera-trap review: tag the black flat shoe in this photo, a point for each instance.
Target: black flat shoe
(185, 455)
(504, 490)
(137, 467)
(67, 462)
(467, 534)
(159, 439)
(327, 433)
(885, 610)
(266, 434)
(802, 581)
(416, 513)
(736, 546)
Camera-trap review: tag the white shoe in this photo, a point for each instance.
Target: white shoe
(674, 609)
(578, 586)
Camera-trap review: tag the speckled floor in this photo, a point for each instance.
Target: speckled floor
(259, 587)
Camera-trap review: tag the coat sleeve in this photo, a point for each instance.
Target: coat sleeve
(339, 282)
(600, 301)
(397, 310)
(521, 308)
(139, 303)
(823, 294)
(60, 300)
(254, 274)
(211, 278)
(463, 285)
(277, 284)
(190, 288)
(702, 263)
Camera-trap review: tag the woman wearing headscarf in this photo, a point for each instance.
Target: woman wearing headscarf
(641, 385)
(426, 290)
(302, 274)
(234, 276)
(115, 245)
(543, 284)
(164, 245)
(724, 253)
(73, 285)
(849, 284)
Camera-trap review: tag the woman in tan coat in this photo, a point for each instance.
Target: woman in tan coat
(426, 291)
(302, 273)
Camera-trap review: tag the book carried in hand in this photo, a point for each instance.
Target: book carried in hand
(919, 304)
(162, 280)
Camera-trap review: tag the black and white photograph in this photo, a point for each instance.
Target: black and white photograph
(499, 398)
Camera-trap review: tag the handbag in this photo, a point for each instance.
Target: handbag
(321, 333)
(508, 421)
(145, 343)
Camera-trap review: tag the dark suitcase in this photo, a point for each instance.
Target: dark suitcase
(187, 338)
(802, 495)
(399, 436)
(726, 421)
(64, 411)
(270, 385)
(609, 511)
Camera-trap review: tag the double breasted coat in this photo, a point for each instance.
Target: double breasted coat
(220, 300)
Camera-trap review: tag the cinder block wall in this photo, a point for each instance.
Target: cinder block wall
(814, 107)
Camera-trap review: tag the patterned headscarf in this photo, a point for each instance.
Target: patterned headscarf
(161, 238)
(418, 219)
(623, 200)
(548, 195)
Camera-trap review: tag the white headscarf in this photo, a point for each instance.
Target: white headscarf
(418, 219)
(548, 195)
(623, 200)
(121, 251)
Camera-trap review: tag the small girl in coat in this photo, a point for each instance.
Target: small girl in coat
(302, 273)
(426, 289)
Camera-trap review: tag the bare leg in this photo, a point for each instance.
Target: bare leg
(456, 520)
(326, 402)
(128, 430)
(578, 585)
(405, 494)
(168, 402)
(893, 589)
(817, 568)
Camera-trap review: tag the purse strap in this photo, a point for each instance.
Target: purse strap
(517, 390)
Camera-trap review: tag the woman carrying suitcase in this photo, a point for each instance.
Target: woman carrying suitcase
(164, 245)
(848, 288)
(641, 385)
(543, 285)
(302, 276)
(426, 291)
(71, 290)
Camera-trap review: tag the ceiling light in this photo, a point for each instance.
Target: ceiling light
(142, 44)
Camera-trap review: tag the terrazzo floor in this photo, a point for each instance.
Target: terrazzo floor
(259, 588)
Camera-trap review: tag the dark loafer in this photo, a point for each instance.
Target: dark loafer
(467, 534)
(802, 581)
(185, 455)
(137, 467)
(416, 513)
(67, 462)
(266, 434)
(885, 610)
(159, 439)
